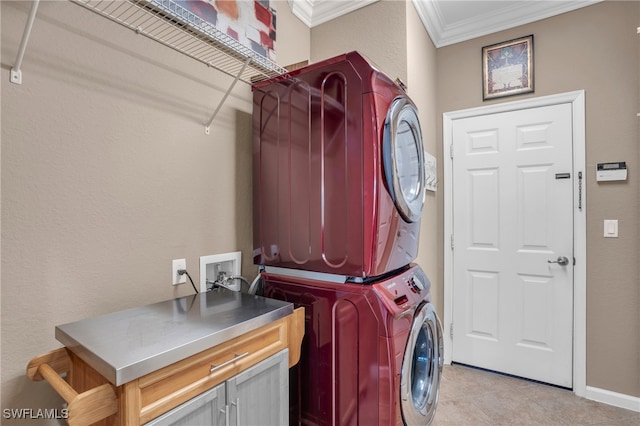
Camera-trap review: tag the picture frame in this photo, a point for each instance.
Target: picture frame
(507, 68)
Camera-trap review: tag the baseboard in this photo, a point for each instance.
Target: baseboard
(613, 398)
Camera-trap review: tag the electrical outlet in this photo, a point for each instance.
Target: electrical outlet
(178, 264)
(212, 265)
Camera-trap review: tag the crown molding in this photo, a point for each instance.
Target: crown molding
(511, 14)
(316, 12)
(443, 32)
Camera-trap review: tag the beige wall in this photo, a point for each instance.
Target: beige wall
(595, 49)
(421, 82)
(107, 175)
(293, 43)
(377, 31)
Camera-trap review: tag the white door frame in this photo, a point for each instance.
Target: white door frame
(577, 101)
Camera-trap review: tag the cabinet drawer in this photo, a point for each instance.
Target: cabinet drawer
(171, 386)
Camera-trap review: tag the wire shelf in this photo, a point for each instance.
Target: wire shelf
(172, 25)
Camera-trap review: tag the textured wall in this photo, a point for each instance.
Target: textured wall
(377, 31)
(293, 42)
(595, 49)
(107, 175)
(421, 82)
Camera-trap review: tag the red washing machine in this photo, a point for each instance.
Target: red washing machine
(338, 182)
(371, 354)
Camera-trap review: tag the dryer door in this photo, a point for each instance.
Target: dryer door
(422, 368)
(403, 158)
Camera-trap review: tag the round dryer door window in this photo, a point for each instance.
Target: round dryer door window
(403, 157)
(422, 368)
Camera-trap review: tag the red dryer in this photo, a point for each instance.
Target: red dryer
(338, 182)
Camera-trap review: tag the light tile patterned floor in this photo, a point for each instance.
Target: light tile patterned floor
(474, 397)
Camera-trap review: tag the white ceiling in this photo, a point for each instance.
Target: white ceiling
(449, 21)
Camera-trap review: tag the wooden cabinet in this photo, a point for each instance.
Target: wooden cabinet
(257, 396)
(243, 366)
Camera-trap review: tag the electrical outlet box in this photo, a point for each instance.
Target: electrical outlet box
(212, 265)
(176, 265)
(430, 172)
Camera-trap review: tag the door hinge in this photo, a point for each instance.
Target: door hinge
(451, 151)
(452, 241)
(451, 330)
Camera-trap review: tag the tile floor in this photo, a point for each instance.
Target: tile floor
(473, 397)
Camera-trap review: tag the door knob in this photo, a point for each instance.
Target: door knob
(562, 260)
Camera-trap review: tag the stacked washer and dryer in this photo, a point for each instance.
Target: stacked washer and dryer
(338, 189)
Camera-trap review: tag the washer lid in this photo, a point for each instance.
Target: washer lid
(403, 158)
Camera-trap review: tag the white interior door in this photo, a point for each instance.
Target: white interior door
(512, 215)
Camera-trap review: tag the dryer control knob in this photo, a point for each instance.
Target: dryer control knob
(418, 283)
(412, 285)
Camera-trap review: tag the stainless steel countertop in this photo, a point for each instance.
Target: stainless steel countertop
(126, 345)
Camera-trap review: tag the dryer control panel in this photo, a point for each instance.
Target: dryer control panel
(403, 292)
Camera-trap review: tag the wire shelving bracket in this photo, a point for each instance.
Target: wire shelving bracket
(171, 25)
(16, 73)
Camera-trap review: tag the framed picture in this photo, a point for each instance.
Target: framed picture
(507, 68)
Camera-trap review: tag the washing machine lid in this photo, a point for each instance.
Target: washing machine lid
(403, 158)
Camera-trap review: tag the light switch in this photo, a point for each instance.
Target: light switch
(611, 228)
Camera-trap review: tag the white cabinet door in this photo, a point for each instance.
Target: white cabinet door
(260, 395)
(208, 408)
(257, 396)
